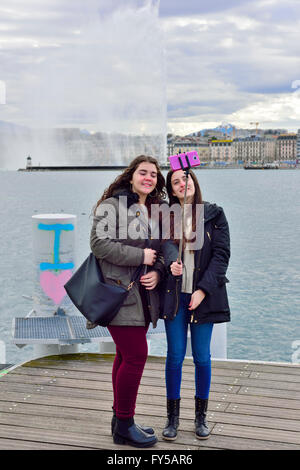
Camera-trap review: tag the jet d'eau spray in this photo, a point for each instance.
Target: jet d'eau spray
(95, 96)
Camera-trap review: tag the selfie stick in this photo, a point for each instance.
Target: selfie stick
(187, 171)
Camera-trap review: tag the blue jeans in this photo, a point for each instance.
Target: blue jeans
(176, 331)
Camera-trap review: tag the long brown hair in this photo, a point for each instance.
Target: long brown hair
(123, 182)
(174, 200)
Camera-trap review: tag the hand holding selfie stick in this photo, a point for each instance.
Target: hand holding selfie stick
(187, 172)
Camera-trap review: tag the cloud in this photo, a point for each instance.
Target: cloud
(175, 8)
(271, 110)
(102, 71)
(237, 59)
(73, 62)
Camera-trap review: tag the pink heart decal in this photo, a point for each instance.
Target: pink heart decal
(53, 285)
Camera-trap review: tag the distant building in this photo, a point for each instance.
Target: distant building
(269, 147)
(221, 150)
(188, 144)
(286, 147)
(255, 149)
(298, 145)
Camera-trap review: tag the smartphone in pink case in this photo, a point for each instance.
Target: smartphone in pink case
(184, 160)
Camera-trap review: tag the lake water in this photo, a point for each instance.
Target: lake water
(263, 211)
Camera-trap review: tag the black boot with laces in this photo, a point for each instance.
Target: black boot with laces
(201, 429)
(170, 431)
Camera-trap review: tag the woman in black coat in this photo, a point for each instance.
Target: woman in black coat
(194, 293)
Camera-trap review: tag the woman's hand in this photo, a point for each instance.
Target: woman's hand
(176, 268)
(150, 280)
(196, 299)
(149, 256)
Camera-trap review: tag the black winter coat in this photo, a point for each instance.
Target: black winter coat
(211, 263)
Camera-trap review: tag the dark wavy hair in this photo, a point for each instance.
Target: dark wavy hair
(174, 200)
(123, 182)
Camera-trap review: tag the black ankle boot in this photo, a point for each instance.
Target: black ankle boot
(201, 429)
(143, 428)
(126, 432)
(170, 431)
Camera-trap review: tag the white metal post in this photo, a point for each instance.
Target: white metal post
(54, 258)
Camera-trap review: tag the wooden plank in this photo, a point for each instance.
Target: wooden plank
(94, 375)
(74, 391)
(144, 405)
(84, 440)
(259, 421)
(58, 423)
(256, 400)
(101, 393)
(240, 443)
(50, 436)
(92, 361)
(280, 384)
(253, 432)
(89, 378)
(216, 398)
(278, 377)
(287, 368)
(37, 409)
(257, 382)
(13, 444)
(257, 410)
(282, 368)
(267, 392)
(100, 383)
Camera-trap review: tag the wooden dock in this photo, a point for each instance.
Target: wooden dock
(64, 402)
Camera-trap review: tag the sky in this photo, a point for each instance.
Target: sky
(71, 62)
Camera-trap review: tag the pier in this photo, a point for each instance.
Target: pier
(64, 402)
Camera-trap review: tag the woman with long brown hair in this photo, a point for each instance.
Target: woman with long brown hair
(121, 239)
(195, 295)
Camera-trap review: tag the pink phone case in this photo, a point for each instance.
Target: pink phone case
(191, 157)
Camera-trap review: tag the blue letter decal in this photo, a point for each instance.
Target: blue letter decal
(57, 229)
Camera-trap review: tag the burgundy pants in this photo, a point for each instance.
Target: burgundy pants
(129, 363)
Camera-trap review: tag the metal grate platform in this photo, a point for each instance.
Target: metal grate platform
(63, 330)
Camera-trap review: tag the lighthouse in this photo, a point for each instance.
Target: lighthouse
(29, 163)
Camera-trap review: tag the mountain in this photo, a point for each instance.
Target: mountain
(224, 128)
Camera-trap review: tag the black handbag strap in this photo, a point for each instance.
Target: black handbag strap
(135, 276)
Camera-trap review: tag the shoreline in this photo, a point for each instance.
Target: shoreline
(112, 167)
(121, 167)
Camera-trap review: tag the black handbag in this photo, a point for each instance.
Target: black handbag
(97, 301)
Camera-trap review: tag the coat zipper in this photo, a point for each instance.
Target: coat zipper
(192, 314)
(177, 297)
(196, 269)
